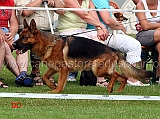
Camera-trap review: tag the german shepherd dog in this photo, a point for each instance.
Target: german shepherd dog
(69, 53)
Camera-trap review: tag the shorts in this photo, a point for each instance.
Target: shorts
(146, 38)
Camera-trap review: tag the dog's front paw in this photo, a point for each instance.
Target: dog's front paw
(110, 89)
(55, 91)
(53, 86)
(117, 91)
(54, 83)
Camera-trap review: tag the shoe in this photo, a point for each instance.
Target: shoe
(138, 83)
(24, 80)
(71, 79)
(103, 83)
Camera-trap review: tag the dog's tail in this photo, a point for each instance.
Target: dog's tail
(130, 71)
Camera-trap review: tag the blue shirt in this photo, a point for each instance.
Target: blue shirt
(99, 4)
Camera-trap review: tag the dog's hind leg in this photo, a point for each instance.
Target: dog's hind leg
(50, 72)
(123, 82)
(63, 73)
(114, 77)
(106, 70)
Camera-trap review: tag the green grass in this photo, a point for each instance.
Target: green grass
(77, 109)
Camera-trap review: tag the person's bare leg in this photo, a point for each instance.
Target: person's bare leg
(10, 61)
(157, 39)
(22, 61)
(158, 68)
(2, 49)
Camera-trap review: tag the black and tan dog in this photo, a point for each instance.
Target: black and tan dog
(69, 53)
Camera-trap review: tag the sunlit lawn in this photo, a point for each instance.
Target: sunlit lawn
(77, 109)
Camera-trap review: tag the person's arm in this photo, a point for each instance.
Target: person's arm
(87, 17)
(143, 20)
(59, 4)
(2, 36)
(135, 1)
(94, 14)
(13, 28)
(35, 3)
(83, 14)
(111, 22)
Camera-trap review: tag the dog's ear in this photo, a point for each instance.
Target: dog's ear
(119, 16)
(25, 23)
(33, 26)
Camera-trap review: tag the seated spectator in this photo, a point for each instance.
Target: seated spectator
(149, 23)
(123, 43)
(8, 33)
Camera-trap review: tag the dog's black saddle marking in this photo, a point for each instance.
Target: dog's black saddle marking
(81, 47)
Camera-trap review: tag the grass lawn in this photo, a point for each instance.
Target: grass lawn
(77, 109)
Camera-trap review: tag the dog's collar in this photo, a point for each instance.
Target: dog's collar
(60, 37)
(54, 42)
(49, 47)
(65, 37)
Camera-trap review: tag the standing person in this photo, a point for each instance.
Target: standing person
(149, 33)
(123, 43)
(8, 33)
(72, 22)
(42, 23)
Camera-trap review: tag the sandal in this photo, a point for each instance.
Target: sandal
(138, 83)
(103, 83)
(38, 81)
(3, 85)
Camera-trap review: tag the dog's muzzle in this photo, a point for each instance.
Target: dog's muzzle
(14, 45)
(21, 48)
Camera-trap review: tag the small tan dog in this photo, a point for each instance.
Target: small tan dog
(119, 16)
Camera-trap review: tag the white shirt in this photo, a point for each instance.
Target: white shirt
(149, 17)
